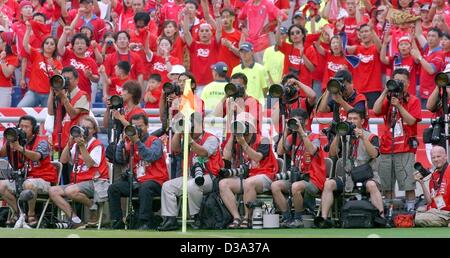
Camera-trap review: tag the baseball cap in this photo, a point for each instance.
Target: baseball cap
(246, 46)
(177, 69)
(425, 7)
(88, 1)
(283, 30)
(404, 39)
(220, 67)
(298, 14)
(25, 3)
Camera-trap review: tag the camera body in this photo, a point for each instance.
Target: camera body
(169, 88)
(234, 172)
(240, 128)
(197, 173)
(132, 130)
(255, 204)
(234, 90)
(395, 87)
(345, 128)
(109, 42)
(13, 134)
(58, 82)
(424, 172)
(287, 91)
(436, 134)
(79, 131)
(116, 102)
(294, 123)
(336, 85)
(442, 79)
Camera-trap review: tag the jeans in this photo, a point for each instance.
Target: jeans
(33, 99)
(5, 99)
(146, 191)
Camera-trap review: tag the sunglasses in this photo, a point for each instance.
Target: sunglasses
(295, 32)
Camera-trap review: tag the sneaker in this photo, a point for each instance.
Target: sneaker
(320, 222)
(170, 224)
(93, 218)
(196, 224)
(73, 225)
(296, 223)
(284, 223)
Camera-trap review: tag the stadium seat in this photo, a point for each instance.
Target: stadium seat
(45, 197)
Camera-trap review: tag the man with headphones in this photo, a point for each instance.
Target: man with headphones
(205, 162)
(89, 177)
(149, 173)
(35, 154)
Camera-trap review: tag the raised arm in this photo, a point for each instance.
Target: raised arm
(62, 41)
(383, 57)
(26, 38)
(205, 7)
(419, 34)
(186, 31)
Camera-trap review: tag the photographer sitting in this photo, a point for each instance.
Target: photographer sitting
(90, 172)
(309, 158)
(205, 163)
(257, 155)
(362, 152)
(293, 99)
(26, 141)
(343, 96)
(68, 104)
(401, 112)
(437, 196)
(149, 172)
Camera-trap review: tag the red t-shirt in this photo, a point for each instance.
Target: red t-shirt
(409, 64)
(158, 65)
(5, 82)
(440, 190)
(19, 29)
(446, 58)
(351, 27)
(225, 55)
(81, 64)
(170, 11)
(436, 59)
(95, 21)
(116, 85)
(294, 63)
(134, 111)
(134, 59)
(178, 49)
(332, 65)
(403, 132)
(203, 56)
(368, 72)
(41, 71)
(156, 93)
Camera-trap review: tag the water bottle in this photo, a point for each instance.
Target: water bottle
(257, 220)
(359, 187)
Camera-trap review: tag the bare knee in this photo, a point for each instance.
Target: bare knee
(55, 191)
(330, 186)
(298, 187)
(277, 186)
(371, 187)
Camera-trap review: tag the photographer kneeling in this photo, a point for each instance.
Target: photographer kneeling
(205, 163)
(437, 213)
(149, 172)
(362, 152)
(89, 178)
(25, 144)
(309, 158)
(258, 157)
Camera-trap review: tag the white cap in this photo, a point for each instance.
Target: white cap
(177, 69)
(342, 14)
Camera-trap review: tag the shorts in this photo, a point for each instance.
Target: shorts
(40, 184)
(403, 168)
(311, 189)
(86, 187)
(340, 186)
(266, 182)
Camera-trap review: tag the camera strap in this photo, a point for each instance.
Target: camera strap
(441, 176)
(128, 56)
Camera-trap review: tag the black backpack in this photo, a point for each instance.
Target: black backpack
(358, 214)
(213, 213)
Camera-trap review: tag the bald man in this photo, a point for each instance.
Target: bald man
(437, 195)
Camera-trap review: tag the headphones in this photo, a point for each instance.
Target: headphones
(34, 123)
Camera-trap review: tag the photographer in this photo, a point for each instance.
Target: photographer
(68, 104)
(362, 149)
(437, 195)
(35, 151)
(401, 112)
(296, 100)
(308, 171)
(239, 101)
(149, 173)
(205, 163)
(345, 99)
(257, 155)
(90, 172)
(131, 97)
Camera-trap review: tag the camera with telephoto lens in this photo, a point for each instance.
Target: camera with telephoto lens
(132, 130)
(58, 82)
(345, 128)
(197, 174)
(178, 125)
(294, 123)
(79, 131)
(423, 171)
(336, 85)
(330, 133)
(240, 128)
(109, 42)
(13, 134)
(116, 102)
(169, 88)
(255, 204)
(234, 172)
(395, 86)
(435, 134)
(442, 79)
(234, 90)
(277, 91)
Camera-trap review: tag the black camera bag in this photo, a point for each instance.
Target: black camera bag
(362, 173)
(358, 214)
(213, 213)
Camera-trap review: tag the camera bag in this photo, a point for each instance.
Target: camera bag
(358, 214)
(362, 173)
(213, 213)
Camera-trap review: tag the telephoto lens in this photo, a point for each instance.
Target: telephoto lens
(234, 90)
(424, 172)
(345, 128)
(58, 82)
(130, 130)
(78, 131)
(294, 124)
(238, 127)
(442, 79)
(13, 134)
(169, 88)
(335, 85)
(116, 102)
(198, 175)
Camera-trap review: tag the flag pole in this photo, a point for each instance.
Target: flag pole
(186, 109)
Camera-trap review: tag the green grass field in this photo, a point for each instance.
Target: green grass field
(263, 233)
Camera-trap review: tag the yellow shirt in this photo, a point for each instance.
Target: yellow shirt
(213, 93)
(274, 63)
(257, 80)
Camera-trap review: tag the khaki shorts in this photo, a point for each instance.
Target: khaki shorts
(86, 187)
(311, 189)
(403, 168)
(40, 184)
(265, 180)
